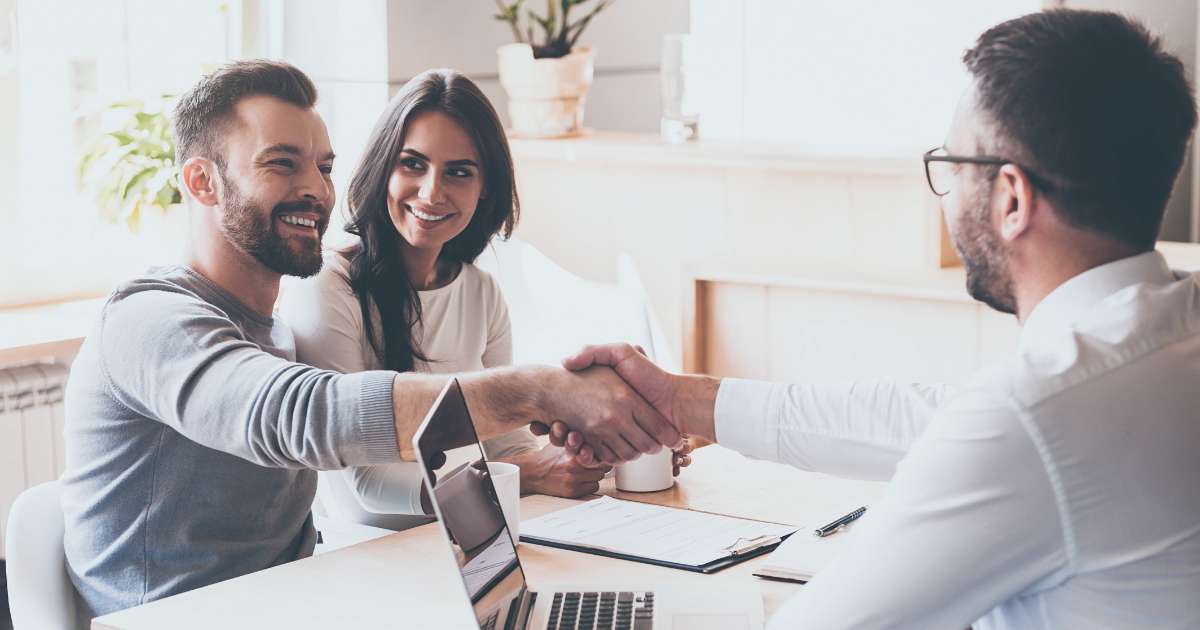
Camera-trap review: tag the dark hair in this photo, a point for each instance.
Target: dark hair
(203, 112)
(377, 273)
(1091, 103)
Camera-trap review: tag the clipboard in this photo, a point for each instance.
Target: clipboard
(711, 567)
(653, 534)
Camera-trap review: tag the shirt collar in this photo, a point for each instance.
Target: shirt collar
(1073, 299)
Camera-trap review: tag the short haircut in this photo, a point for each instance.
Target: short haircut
(203, 112)
(1092, 104)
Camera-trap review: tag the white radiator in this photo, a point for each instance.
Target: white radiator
(31, 431)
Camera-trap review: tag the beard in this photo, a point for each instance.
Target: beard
(252, 231)
(983, 254)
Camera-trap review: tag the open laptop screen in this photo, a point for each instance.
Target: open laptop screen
(468, 509)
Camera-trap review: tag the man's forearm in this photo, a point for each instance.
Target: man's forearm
(500, 400)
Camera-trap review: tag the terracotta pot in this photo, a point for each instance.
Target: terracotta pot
(545, 96)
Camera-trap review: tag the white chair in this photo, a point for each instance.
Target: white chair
(40, 594)
(555, 313)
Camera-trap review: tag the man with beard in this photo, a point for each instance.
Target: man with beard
(1058, 488)
(192, 438)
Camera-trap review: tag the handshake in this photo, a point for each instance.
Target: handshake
(615, 404)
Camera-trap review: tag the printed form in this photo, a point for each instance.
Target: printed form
(651, 531)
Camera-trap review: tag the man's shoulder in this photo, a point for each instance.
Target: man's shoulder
(1121, 331)
(160, 290)
(169, 302)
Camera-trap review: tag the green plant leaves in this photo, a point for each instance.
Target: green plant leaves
(560, 34)
(131, 165)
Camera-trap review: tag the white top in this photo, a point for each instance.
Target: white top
(1056, 490)
(465, 328)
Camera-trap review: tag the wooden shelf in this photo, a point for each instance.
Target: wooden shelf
(594, 146)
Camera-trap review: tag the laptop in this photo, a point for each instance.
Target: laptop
(484, 552)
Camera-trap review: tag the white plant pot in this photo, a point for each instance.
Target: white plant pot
(545, 96)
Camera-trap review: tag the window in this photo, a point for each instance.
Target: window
(857, 77)
(60, 62)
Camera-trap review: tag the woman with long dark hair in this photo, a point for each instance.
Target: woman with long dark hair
(435, 184)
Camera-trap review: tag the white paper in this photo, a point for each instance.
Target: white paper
(650, 531)
(803, 555)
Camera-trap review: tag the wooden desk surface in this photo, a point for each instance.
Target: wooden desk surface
(408, 579)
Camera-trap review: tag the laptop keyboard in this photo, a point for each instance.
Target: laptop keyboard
(602, 611)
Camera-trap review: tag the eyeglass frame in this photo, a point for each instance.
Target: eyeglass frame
(987, 160)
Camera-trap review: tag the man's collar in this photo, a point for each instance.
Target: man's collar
(1073, 299)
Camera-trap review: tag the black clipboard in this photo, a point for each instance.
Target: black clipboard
(711, 567)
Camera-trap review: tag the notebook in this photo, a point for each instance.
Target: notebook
(802, 556)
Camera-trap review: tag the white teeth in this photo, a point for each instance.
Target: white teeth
(291, 220)
(426, 216)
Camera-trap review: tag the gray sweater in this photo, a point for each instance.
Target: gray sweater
(192, 439)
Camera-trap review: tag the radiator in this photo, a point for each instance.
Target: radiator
(31, 431)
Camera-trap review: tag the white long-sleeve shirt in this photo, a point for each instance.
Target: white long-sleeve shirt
(1057, 489)
(465, 328)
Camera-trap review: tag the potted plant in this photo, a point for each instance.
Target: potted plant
(546, 81)
(130, 167)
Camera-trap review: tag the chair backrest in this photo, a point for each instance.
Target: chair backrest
(40, 593)
(555, 313)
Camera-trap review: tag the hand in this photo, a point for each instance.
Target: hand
(614, 421)
(556, 472)
(682, 457)
(562, 436)
(572, 443)
(630, 362)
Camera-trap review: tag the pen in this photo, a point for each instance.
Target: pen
(837, 525)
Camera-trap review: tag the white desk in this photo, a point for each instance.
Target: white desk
(407, 580)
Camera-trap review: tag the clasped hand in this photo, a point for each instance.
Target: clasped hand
(635, 416)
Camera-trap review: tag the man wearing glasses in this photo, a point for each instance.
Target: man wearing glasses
(1058, 488)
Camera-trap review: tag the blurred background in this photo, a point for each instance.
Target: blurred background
(739, 187)
(852, 79)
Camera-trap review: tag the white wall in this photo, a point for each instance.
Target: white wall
(360, 53)
(461, 34)
(356, 49)
(857, 77)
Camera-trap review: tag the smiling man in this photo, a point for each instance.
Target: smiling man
(192, 435)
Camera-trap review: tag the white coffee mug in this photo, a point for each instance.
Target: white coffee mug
(648, 473)
(507, 479)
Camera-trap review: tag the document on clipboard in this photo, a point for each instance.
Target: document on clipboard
(656, 534)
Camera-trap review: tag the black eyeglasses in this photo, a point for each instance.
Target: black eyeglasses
(939, 169)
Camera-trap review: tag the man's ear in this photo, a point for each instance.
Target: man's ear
(199, 178)
(1014, 199)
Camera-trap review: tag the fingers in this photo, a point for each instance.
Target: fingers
(624, 450)
(559, 433)
(573, 440)
(609, 354)
(605, 454)
(587, 457)
(657, 427)
(643, 441)
(539, 428)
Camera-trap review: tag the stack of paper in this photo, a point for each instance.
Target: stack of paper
(801, 556)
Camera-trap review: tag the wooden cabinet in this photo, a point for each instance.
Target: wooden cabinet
(822, 323)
